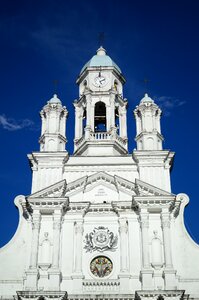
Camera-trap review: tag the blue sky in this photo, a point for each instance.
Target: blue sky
(47, 40)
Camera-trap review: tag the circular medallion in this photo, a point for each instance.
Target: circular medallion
(101, 266)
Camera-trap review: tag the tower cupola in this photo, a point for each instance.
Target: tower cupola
(147, 115)
(53, 132)
(100, 111)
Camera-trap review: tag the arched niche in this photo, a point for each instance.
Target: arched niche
(51, 145)
(150, 143)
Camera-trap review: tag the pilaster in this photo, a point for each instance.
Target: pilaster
(146, 272)
(77, 275)
(169, 274)
(32, 272)
(124, 263)
(55, 272)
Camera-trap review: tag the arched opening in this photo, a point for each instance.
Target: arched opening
(117, 124)
(84, 119)
(100, 116)
(116, 85)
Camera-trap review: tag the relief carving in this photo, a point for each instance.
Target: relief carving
(100, 239)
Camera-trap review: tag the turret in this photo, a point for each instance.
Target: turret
(147, 115)
(53, 132)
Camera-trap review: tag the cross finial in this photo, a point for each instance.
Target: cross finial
(146, 84)
(101, 39)
(55, 84)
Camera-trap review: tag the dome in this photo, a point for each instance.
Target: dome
(54, 100)
(101, 60)
(146, 99)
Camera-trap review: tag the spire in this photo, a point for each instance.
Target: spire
(53, 115)
(147, 115)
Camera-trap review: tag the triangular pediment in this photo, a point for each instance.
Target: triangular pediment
(96, 181)
(146, 189)
(56, 190)
(99, 179)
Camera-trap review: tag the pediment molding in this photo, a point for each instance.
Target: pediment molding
(56, 190)
(146, 189)
(84, 184)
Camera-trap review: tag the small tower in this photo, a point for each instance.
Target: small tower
(147, 115)
(100, 111)
(53, 132)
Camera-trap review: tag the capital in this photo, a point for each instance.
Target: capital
(57, 225)
(79, 227)
(165, 218)
(144, 221)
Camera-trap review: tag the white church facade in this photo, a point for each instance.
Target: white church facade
(101, 223)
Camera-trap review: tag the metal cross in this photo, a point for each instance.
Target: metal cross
(101, 38)
(146, 83)
(55, 83)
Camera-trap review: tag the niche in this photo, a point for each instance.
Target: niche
(156, 251)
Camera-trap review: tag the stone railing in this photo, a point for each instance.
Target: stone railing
(101, 286)
(100, 136)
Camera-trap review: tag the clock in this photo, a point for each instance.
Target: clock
(100, 81)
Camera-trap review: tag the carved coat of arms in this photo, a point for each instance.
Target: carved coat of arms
(100, 239)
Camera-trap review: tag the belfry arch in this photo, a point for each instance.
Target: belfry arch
(100, 117)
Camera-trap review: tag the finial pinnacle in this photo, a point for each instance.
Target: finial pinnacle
(101, 51)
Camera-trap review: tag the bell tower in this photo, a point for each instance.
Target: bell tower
(100, 111)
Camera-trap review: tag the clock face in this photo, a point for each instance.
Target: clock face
(100, 81)
(101, 266)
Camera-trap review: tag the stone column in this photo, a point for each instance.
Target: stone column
(123, 229)
(88, 110)
(122, 115)
(63, 121)
(32, 272)
(77, 122)
(92, 113)
(146, 272)
(88, 117)
(112, 110)
(108, 114)
(55, 273)
(169, 273)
